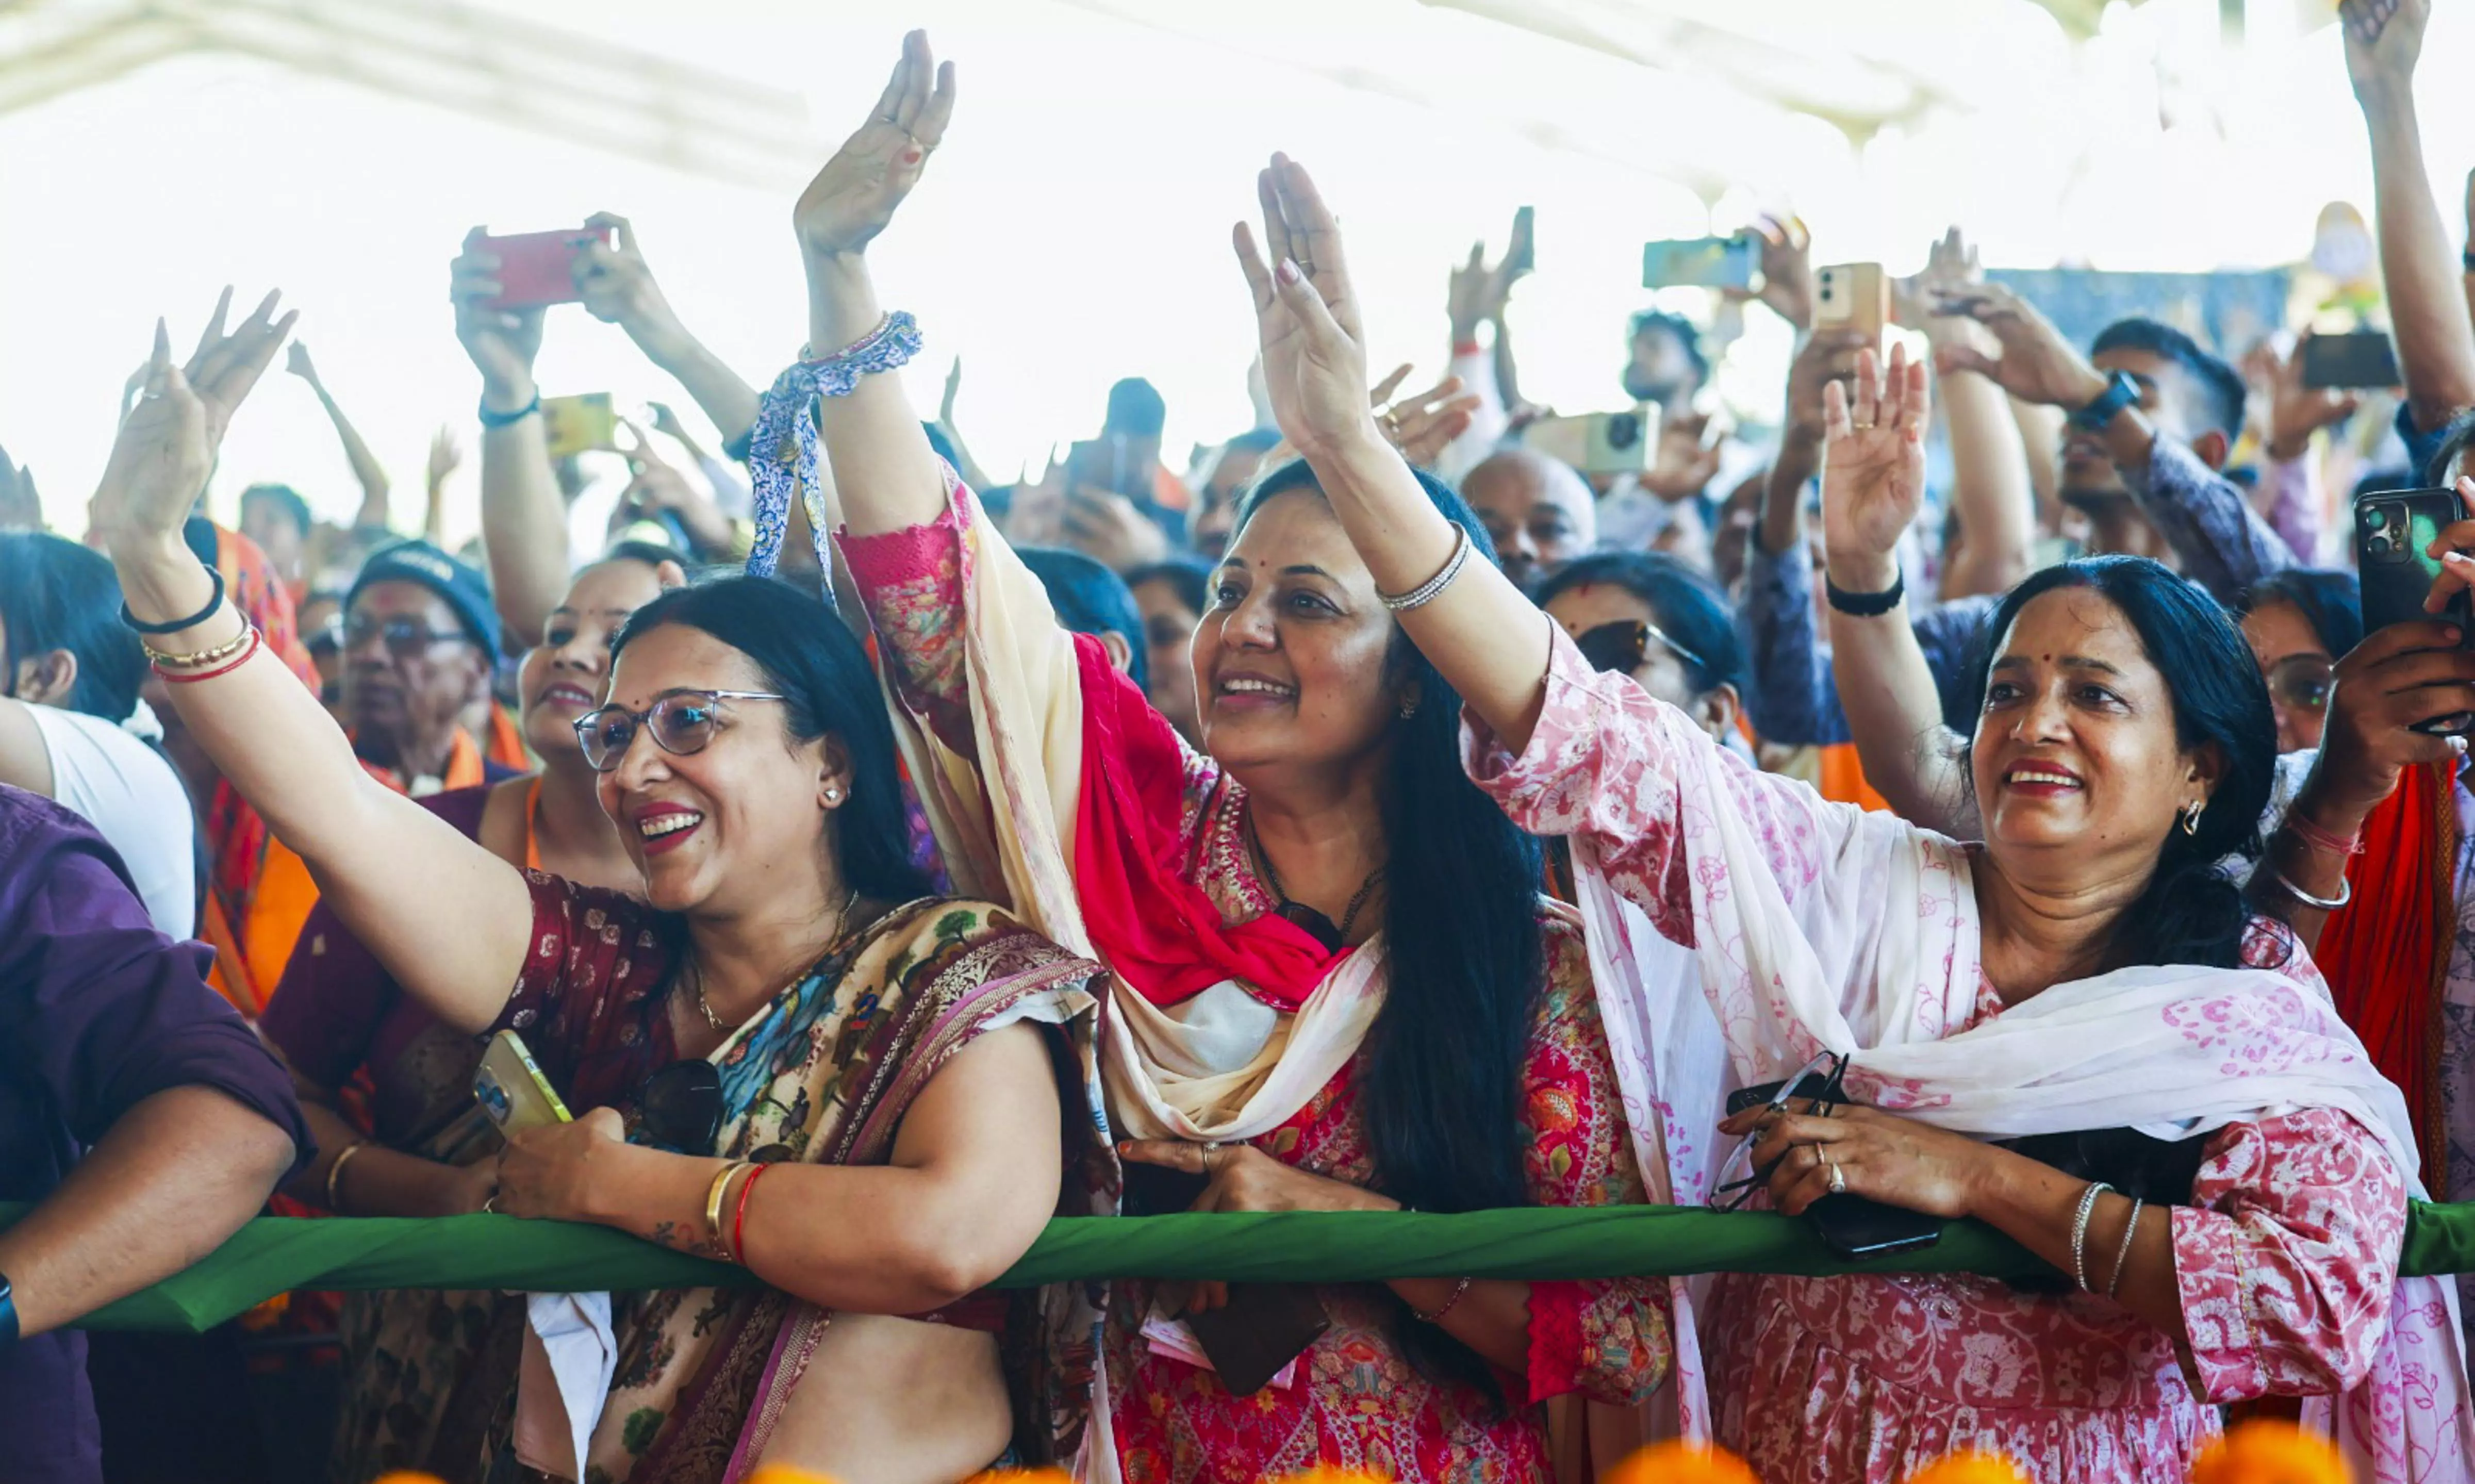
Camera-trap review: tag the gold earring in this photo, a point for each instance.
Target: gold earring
(2192, 818)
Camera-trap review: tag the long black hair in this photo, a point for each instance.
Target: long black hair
(2191, 913)
(56, 595)
(1441, 1092)
(806, 653)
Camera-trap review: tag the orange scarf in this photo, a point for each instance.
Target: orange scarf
(2386, 956)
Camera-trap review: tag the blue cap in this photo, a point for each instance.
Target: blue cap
(458, 584)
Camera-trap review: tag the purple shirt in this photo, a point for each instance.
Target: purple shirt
(98, 1012)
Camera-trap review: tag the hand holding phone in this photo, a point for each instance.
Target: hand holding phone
(2399, 536)
(537, 268)
(1702, 262)
(511, 1089)
(2359, 360)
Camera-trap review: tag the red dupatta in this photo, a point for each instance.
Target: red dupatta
(2386, 956)
(1159, 929)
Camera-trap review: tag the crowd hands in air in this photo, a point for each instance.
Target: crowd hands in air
(1387, 815)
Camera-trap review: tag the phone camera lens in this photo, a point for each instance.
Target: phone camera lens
(1624, 430)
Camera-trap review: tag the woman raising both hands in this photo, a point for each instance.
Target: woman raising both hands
(708, 1034)
(2083, 969)
(1334, 986)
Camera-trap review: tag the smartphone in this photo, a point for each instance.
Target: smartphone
(1702, 262)
(511, 1089)
(1109, 464)
(580, 424)
(2392, 530)
(1852, 295)
(1597, 443)
(1851, 1227)
(537, 268)
(2363, 359)
(1521, 254)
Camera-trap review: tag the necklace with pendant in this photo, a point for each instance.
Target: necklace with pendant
(1317, 926)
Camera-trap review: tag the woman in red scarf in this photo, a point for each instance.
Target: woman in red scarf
(1337, 987)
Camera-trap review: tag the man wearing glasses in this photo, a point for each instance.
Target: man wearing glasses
(419, 641)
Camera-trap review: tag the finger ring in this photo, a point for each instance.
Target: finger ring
(1838, 1176)
(1391, 423)
(1862, 428)
(1210, 1147)
(490, 1204)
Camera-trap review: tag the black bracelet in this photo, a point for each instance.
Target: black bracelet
(1865, 605)
(7, 1316)
(490, 419)
(214, 602)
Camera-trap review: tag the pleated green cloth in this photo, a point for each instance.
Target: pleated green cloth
(275, 1256)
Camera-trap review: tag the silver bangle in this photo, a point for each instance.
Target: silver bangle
(1428, 591)
(2122, 1254)
(2079, 1233)
(2345, 892)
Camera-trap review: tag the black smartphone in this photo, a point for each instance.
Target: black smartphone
(2363, 358)
(1851, 1227)
(1155, 1190)
(2393, 529)
(1263, 1327)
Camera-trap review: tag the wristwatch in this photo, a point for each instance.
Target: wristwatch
(2121, 392)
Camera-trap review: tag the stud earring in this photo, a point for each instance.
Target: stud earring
(833, 794)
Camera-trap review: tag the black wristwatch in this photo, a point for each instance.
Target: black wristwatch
(2121, 392)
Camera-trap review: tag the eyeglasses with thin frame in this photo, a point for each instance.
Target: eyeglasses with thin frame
(1736, 1181)
(1621, 645)
(681, 724)
(2303, 681)
(403, 638)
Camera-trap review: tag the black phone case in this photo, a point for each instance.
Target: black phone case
(1851, 1227)
(1154, 1190)
(1263, 1327)
(2395, 574)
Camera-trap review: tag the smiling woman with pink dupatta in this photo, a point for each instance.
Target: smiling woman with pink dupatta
(2074, 1033)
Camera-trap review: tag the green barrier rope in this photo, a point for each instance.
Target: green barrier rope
(277, 1255)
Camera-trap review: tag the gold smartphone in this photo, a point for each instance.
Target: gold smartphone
(580, 424)
(1852, 295)
(511, 1089)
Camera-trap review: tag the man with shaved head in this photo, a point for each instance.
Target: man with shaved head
(1538, 511)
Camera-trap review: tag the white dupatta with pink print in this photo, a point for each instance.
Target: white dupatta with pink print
(1879, 957)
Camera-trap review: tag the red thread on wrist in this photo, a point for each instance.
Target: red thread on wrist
(1466, 348)
(739, 1216)
(2319, 839)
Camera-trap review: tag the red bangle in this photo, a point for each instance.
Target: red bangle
(2319, 839)
(1461, 347)
(182, 677)
(738, 1217)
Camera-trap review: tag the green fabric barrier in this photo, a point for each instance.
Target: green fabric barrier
(274, 1255)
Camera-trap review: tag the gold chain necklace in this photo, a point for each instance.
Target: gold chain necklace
(842, 924)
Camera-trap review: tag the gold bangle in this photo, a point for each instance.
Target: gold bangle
(713, 1200)
(343, 1157)
(202, 658)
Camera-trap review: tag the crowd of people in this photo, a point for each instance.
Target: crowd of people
(1383, 815)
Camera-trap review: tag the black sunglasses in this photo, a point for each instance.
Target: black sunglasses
(1730, 1190)
(1621, 645)
(680, 1107)
(681, 723)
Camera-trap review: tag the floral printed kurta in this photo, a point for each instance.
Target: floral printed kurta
(2283, 1261)
(1356, 1401)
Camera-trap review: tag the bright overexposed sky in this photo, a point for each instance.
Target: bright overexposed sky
(1075, 226)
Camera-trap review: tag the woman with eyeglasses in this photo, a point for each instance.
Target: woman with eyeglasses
(1334, 985)
(425, 1369)
(2299, 624)
(2075, 1032)
(877, 1135)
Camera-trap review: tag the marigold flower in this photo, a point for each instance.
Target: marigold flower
(1970, 1466)
(783, 1474)
(1677, 1462)
(2270, 1451)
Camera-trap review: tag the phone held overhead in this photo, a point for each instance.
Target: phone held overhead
(537, 268)
(2394, 534)
(1702, 262)
(2356, 361)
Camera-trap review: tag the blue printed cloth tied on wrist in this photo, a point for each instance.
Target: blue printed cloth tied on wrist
(782, 450)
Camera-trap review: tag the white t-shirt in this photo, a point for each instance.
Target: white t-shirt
(134, 800)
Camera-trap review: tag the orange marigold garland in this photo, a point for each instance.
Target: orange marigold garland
(2270, 1451)
(1970, 1466)
(1677, 1462)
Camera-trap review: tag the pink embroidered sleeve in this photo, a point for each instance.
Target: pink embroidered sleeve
(1609, 765)
(2285, 1258)
(910, 581)
(1609, 1339)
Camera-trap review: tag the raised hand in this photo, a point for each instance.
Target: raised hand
(615, 286)
(167, 442)
(1306, 314)
(953, 390)
(2296, 411)
(1873, 468)
(296, 360)
(854, 196)
(502, 342)
(1479, 289)
(1825, 356)
(2036, 363)
(446, 457)
(1787, 270)
(1423, 424)
(2384, 41)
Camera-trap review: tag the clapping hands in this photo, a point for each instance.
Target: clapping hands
(167, 442)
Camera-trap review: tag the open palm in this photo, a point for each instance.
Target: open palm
(1305, 313)
(854, 196)
(166, 446)
(1873, 456)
